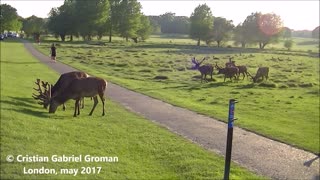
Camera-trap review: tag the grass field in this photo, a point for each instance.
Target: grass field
(145, 150)
(285, 108)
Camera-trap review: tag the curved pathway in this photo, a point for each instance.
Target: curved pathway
(259, 154)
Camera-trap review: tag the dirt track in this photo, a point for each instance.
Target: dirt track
(259, 154)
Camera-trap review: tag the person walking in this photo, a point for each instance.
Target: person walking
(53, 52)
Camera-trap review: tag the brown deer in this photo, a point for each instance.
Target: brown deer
(78, 89)
(244, 71)
(63, 81)
(261, 72)
(229, 72)
(204, 69)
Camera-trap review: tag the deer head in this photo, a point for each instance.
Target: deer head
(195, 63)
(44, 96)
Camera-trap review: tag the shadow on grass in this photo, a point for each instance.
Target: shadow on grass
(24, 105)
(10, 62)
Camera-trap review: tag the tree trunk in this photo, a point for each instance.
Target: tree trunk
(243, 45)
(63, 37)
(263, 45)
(110, 34)
(127, 39)
(198, 44)
(218, 43)
(71, 37)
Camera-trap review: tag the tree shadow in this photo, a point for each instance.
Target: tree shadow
(12, 62)
(309, 163)
(24, 105)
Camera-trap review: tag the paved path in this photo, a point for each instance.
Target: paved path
(259, 154)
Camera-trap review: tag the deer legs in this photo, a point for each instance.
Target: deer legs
(95, 102)
(76, 108)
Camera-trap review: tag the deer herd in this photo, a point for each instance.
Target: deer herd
(73, 85)
(230, 70)
(78, 85)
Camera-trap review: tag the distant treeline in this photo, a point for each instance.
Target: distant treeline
(169, 23)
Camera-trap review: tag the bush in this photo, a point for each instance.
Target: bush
(268, 84)
(161, 77)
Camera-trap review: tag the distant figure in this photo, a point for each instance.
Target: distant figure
(53, 52)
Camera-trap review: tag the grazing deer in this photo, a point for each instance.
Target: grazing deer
(63, 81)
(204, 69)
(243, 70)
(261, 72)
(78, 89)
(229, 72)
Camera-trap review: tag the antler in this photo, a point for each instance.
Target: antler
(218, 67)
(43, 96)
(194, 61)
(203, 60)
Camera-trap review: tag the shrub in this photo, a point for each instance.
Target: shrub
(268, 84)
(305, 85)
(161, 77)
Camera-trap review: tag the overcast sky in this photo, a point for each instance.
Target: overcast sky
(298, 15)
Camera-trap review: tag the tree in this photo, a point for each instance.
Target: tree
(222, 29)
(315, 33)
(62, 20)
(145, 28)
(129, 21)
(288, 44)
(286, 33)
(114, 17)
(240, 36)
(34, 25)
(90, 15)
(262, 28)
(9, 19)
(201, 23)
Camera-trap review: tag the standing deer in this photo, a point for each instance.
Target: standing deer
(261, 72)
(63, 81)
(204, 69)
(229, 72)
(243, 70)
(78, 89)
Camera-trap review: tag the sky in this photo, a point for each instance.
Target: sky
(297, 15)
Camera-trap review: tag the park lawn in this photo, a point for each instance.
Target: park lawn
(284, 108)
(145, 150)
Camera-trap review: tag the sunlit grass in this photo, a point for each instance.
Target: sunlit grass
(145, 150)
(286, 107)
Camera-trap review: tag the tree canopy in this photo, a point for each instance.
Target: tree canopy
(201, 23)
(9, 18)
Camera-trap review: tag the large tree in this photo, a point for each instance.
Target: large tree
(145, 28)
(262, 28)
(90, 15)
(62, 20)
(201, 23)
(239, 36)
(222, 29)
(129, 20)
(9, 19)
(35, 26)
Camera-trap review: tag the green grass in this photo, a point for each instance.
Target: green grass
(285, 108)
(145, 150)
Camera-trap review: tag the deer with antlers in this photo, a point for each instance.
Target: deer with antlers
(51, 91)
(78, 89)
(262, 72)
(229, 72)
(204, 69)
